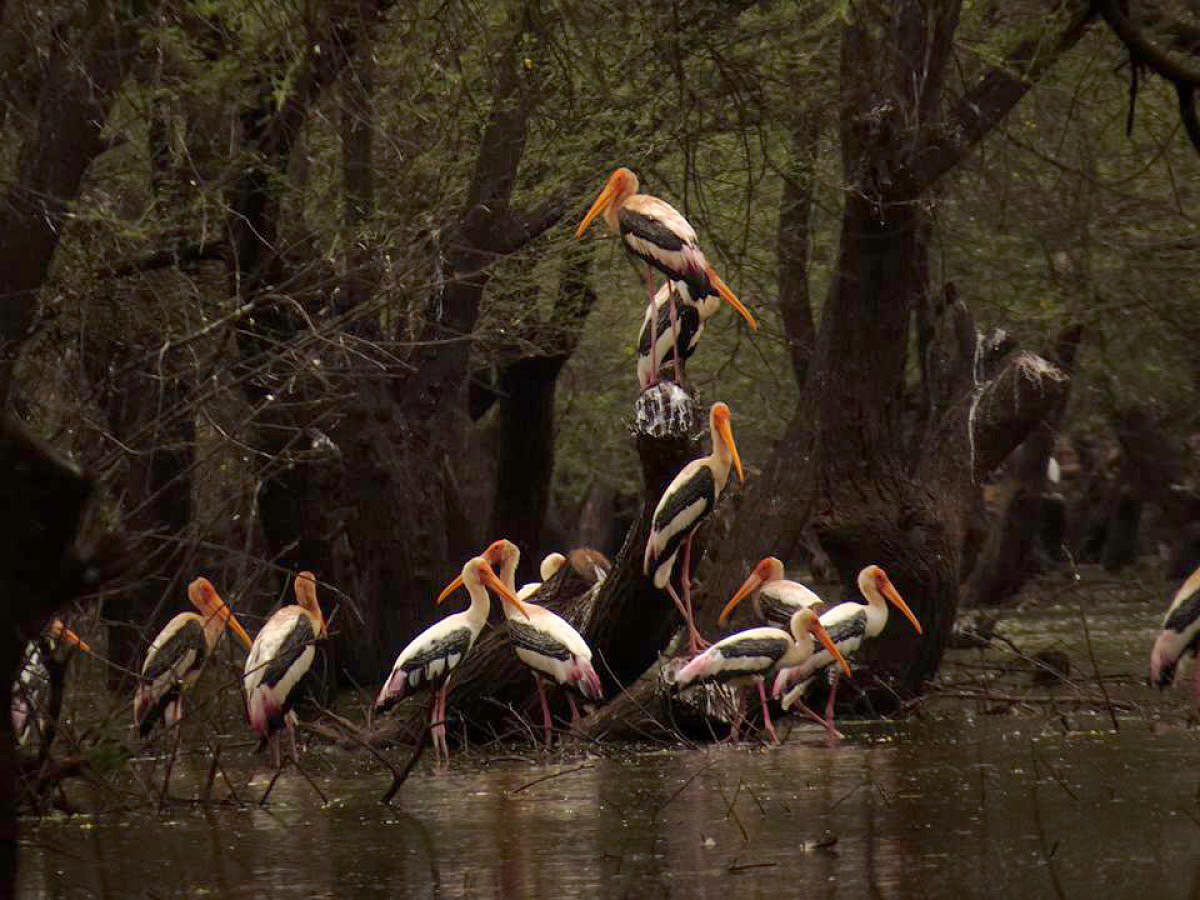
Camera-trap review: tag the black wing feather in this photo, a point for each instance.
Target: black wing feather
(1184, 615)
(189, 637)
(538, 641)
(651, 230)
(769, 648)
(700, 487)
(689, 326)
(457, 641)
(300, 638)
(855, 626)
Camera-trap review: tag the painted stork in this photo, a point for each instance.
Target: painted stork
(691, 317)
(281, 656)
(849, 624)
(37, 692)
(775, 598)
(433, 654)
(1180, 635)
(544, 641)
(750, 656)
(177, 656)
(655, 232)
(687, 501)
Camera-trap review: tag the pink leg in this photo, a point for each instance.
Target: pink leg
(735, 728)
(649, 279)
(695, 642)
(767, 723)
(804, 710)
(675, 332)
(832, 695)
(546, 726)
(574, 709)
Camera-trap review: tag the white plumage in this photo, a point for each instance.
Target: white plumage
(688, 499)
(282, 655)
(1180, 636)
(177, 656)
(848, 624)
(751, 655)
(432, 655)
(543, 640)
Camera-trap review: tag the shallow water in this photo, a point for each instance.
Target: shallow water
(954, 803)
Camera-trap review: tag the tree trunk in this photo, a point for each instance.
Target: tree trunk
(77, 89)
(1010, 555)
(843, 466)
(627, 622)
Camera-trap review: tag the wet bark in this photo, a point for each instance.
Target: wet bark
(627, 622)
(1011, 554)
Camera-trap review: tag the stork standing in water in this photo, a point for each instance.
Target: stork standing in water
(848, 624)
(281, 656)
(37, 692)
(654, 231)
(750, 656)
(177, 656)
(544, 641)
(1180, 636)
(685, 504)
(433, 654)
(775, 598)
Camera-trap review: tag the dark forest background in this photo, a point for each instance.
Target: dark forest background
(294, 285)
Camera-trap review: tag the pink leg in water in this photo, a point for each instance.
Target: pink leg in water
(546, 726)
(767, 723)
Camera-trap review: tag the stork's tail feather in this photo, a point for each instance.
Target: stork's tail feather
(698, 669)
(588, 681)
(783, 681)
(265, 712)
(392, 692)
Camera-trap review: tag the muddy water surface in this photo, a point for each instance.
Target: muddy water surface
(964, 800)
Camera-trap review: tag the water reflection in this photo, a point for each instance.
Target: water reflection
(963, 805)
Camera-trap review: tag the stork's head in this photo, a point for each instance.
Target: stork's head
(768, 570)
(722, 430)
(621, 185)
(60, 632)
(551, 565)
(502, 552)
(206, 599)
(305, 587)
(478, 573)
(873, 581)
(805, 621)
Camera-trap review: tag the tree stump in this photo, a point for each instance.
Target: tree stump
(625, 620)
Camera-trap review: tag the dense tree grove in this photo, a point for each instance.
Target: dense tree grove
(295, 286)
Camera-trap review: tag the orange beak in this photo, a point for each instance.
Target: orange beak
(823, 636)
(215, 606)
(726, 431)
(72, 638)
(450, 589)
(602, 202)
(492, 580)
(749, 586)
(730, 297)
(893, 596)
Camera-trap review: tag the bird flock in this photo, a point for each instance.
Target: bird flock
(802, 638)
